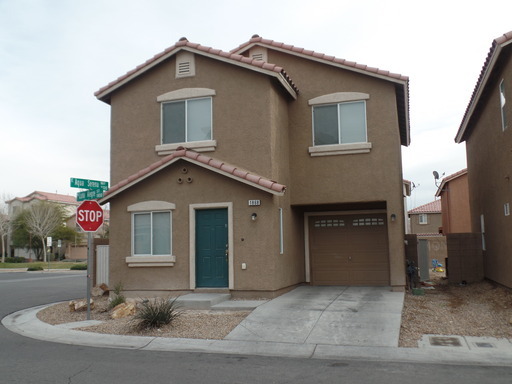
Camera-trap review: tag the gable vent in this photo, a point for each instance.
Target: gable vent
(185, 64)
(184, 68)
(258, 56)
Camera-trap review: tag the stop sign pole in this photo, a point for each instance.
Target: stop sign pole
(89, 217)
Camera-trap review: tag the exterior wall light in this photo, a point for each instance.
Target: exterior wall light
(254, 216)
(393, 217)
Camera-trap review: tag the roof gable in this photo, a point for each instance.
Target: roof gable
(183, 44)
(401, 82)
(497, 47)
(47, 196)
(449, 178)
(207, 162)
(432, 207)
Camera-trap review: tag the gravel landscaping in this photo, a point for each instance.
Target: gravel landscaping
(479, 309)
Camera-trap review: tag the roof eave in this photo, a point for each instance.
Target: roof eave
(137, 180)
(104, 93)
(496, 48)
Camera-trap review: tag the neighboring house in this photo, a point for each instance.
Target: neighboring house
(426, 219)
(233, 173)
(486, 128)
(453, 192)
(17, 204)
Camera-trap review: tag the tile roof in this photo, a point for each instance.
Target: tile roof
(432, 207)
(274, 44)
(492, 57)
(401, 82)
(449, 178)
(215, 165)
(47, 196)
(183, 43)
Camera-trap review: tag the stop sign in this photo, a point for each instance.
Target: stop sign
(89, 216)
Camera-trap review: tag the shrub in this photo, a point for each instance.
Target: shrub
(79, 267)
(15, 260)
(155, 313)
(118, 298)
(35, 268)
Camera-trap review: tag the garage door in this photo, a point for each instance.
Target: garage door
(349, 250)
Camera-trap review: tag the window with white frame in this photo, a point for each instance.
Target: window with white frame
(341, 123)
(423, 218)
(151, 233)
(187, 121)
(502, 104)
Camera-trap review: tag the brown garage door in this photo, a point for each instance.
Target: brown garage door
(349, 250)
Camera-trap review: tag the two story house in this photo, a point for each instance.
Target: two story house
(454, 194)
(486, 128)
(255, 170)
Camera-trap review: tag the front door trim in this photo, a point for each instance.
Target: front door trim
(192, 240)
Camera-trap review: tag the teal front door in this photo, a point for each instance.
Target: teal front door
(212, 248)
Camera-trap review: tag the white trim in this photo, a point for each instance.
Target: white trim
(338, 97)
(151, 205)
(198, 146)
(186, 93)
(150, 261)
(281, 232)
(339, 149)
(192, 240)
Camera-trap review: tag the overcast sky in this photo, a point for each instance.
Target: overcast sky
(54, 54)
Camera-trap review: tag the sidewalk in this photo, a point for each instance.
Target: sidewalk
(432, 348)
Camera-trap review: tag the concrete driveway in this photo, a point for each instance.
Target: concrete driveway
(349, 316)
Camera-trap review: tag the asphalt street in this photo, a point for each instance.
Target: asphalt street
(25, 360)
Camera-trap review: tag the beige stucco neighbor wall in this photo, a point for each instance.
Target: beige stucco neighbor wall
(455, 206)
(434, 222)
(489, 178)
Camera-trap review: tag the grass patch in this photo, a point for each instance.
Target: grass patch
(53, 265)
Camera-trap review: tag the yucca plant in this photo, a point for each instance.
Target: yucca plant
(155, 313)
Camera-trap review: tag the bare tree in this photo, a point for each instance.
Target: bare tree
(42, 219)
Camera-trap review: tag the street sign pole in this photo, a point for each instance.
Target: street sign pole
(89, 272)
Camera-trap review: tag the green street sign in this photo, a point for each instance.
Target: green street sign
(90, 194)
(88, 184)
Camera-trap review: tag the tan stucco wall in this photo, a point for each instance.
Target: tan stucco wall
(489, 159)
(259, 127)
(237, 130)
(254, 241)
(376, 176)
(434, 222)
(455, 206)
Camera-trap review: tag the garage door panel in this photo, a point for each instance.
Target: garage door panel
(349, 250)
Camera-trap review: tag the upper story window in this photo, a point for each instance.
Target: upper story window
(186, 120)
(423, 218)
(502, 104)
(339, 124)
(342, 123)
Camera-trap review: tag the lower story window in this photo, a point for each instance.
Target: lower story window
(151, 233)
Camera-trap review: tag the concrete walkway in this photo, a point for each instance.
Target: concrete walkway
(309, 322)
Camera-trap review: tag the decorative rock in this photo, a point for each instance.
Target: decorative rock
(79, 305)
(123, 310)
